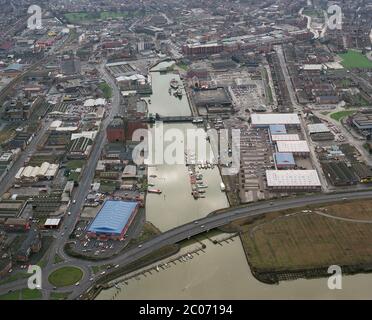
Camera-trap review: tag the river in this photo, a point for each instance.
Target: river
(222, 272)
(175, 205)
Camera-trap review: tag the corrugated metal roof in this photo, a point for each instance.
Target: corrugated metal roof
(113, 217)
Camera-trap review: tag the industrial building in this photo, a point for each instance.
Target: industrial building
(362, 121)
(285, 137)
(115, 130)
(113, 219)
(264, 120)
(202, 49)
(293, 180)
(46, 171)
(215, 100)
(284, 160)
(320, 132)
(298, 148)
(276, 129)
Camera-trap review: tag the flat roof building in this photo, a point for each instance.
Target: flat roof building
(264, 120)
(285, 137)
(284, 160)
(299, 147)
(317, 128)
(113, 219)
(282, 180)
(277, 129)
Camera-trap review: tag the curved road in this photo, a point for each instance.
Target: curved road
(213, 221)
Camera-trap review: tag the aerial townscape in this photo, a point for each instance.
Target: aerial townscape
(165, 149)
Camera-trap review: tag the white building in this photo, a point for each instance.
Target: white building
(285, 180)
(299, 147)
(285, 137)
(263, 120)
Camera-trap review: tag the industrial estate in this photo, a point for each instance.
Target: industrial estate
(83, 89)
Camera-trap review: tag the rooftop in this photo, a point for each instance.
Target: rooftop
(293, 146)
(292, 178)
(113, 217)
(267, 119)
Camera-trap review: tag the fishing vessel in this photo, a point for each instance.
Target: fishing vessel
(174, 84)
(178, 93)
(157, 191)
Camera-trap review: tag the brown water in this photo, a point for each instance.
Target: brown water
(222, 272)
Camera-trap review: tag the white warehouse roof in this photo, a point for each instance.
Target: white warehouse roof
(317, 128)
(293, 146)
(266, 119)
(292, 178)
(285, 137)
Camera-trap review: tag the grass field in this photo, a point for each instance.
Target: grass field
(106, 89)
(79, 17)
(65, 276)
(11, 296)
(75, 164)
(8, 132)
(341, 114)
(59, 295)
(28, 294)
(297, 240)
(24, 294)
(354, 59)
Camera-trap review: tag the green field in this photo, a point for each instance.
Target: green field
(297, 240)
(10, 296)
(78, 17)
(354, 59)
(28, 294)
(106, 89)
(75, 164)
(341, 114)
(65, 276)
(59, 295)
(24, 294)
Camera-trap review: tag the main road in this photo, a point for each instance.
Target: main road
(62, 237)
(217, 220)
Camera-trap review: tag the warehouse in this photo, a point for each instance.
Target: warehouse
(267, 119)
(320, 132)
(293, 180)
(46, 171)
(284, 160)
(298, 148)
(113, 220)
(362, 121)
(277, 129)
(285, 137)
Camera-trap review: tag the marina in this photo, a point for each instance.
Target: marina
(163, 210)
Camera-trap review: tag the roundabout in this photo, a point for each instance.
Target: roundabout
(65, 276)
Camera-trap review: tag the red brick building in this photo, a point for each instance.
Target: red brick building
(116, 131)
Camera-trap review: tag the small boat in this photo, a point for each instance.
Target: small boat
(222, 186)
(202, 186)
(174, 84)
(151, 185)
(157, 191)
(178, 93)
(153, 176)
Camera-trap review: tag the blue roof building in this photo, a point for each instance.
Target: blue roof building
(114, 218)
(278, 129)
(284, 160)
(14, 67)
